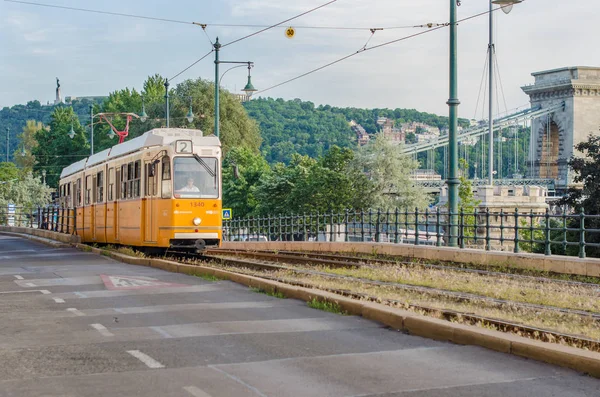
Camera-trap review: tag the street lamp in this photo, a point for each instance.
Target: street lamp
(506, 7)
(72, 131)
(249, 89)
(143, 115)
(190, 115)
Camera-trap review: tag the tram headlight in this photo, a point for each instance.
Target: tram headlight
(197, 221)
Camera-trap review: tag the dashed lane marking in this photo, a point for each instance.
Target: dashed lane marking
(146, 359)
(161, 331)
(19, 277)
(29, 285)
(194, 391)
(76, 312)
(80, 294)
(102, 329)
(59, 300)
(45, 292)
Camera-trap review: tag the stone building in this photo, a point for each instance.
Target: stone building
(554, 136)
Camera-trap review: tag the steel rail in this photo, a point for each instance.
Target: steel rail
(334, 261)
(501, 325)
(457, 296)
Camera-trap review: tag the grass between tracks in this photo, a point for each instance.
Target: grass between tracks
(570, 296)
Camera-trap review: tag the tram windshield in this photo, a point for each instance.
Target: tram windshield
(196, 177)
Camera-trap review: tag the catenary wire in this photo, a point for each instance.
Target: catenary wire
(374, 47)
(280, 23)
(228, 25)
(195, 62)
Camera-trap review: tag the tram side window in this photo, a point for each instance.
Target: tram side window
(150, 185)
(69, 201)
(100, 187)
(78, 189)
(111, 184)
(166, 188)
(124, 181)
(137, 175)
(88, 189)
(130, 180)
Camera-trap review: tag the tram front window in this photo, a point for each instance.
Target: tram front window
(196, 177)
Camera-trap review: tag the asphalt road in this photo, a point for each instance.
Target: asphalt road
(79, 324)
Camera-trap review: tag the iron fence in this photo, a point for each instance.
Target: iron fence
(49, 218)
(558, 233)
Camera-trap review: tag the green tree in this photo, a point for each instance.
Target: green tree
(242, 172)
(389, 173)
(586, 198)
(23, 156)
(55, 149)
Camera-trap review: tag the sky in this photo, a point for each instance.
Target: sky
(95, 54)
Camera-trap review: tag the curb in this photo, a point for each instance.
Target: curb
(413, 324)
(45, 241)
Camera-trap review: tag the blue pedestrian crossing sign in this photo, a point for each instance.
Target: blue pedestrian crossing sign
(226, 213)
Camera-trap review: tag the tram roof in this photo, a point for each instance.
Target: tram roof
(154, 137)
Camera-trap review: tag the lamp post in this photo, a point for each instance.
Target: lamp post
(167, 101)
(249, 89)
(506, 7)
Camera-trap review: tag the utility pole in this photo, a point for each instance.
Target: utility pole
(7, 144)
(453, 103)
(217, 47)
(92, 128)
(167, 101)
(491, 51)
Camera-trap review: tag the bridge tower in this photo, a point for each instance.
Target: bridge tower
(553, 137)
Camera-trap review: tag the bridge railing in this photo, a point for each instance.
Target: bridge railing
(49, 218)
(557, 233)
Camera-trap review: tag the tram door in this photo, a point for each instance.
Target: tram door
(151, 202)
(93, 206)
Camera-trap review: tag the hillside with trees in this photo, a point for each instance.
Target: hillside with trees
(289, 127)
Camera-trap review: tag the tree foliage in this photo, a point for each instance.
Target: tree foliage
(389, 172)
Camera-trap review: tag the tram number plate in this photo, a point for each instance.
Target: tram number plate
(183, 146)
(197, 204)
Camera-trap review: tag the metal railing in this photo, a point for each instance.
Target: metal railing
(558, 233)
(53, 218)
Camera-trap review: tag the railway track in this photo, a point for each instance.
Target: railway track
(264, 263)
(456, 296)
(344, 261)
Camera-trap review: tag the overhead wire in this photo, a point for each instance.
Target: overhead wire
(228, 25)
(280, 23)
(375, 47)
(193, 64)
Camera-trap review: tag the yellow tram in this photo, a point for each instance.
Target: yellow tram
(159, 191)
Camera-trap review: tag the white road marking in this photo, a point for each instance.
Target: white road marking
(102, 329)
(75, 311)
(146, 359)
(80, 294)
(59, 300)
(29, 284)
(238, 380)
(45, 292)
(194, 391)
(28, 290)
(161, 331)
(19, 277)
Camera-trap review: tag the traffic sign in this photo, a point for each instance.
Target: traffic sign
(227, 213)
(129, 282)
(290, 32)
